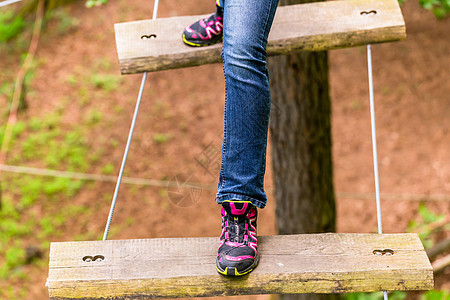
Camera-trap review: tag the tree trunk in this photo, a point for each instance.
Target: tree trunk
(301, 144)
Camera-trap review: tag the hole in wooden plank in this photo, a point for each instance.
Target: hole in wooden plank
(146, 37)
(378, 252)
(371, 12)
(387, 252)
(88, 258)
(97, 258)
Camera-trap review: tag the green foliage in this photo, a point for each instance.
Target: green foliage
(10, 25)
(105, 81)
(6, 89)
(17, 130)
(108, 169)
(426, 232)
(103, 64)
(440, 8)
(94, 117)
(30, 189)
(35, 124)
(84, 97)
(71, 79)
(61, 185)
(118, 109)
(11, 250)
(14, 257)
(161, 138)
(47, 143)
(27, 200)
(436, 295)
(92, 3)
(13, 23)
(65, 22)
(18, 218)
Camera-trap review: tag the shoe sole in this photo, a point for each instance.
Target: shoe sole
(229, 271)
(199, 44)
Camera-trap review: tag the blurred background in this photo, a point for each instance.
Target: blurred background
(60, 159)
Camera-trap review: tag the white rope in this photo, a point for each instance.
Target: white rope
(130, 136)
(124, 160)
(374, 139)
(155, 9)
(212, 187)
(374, 146)
(90, 177)
(8, 2)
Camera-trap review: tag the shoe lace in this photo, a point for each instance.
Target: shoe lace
(236, 228)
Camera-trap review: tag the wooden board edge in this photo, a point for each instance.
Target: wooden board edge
(224, 286)
(280, 47)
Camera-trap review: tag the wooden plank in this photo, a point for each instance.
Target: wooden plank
(185, 267)
(312, 26)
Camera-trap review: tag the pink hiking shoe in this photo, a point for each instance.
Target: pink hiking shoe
(237, 254)
(206, 31)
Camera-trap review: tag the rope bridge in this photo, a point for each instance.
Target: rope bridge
(305, 263)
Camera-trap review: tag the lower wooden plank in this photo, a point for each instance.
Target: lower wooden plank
(185, 267)
(153, 45)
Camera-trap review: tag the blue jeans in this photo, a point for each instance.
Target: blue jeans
(246, 26)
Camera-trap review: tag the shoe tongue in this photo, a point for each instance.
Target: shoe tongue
(237, 208)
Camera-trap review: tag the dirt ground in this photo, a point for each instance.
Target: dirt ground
(185, 106)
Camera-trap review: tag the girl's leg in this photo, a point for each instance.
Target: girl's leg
(247, 106)
(247, 100)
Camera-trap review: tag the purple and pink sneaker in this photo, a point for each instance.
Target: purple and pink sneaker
(237, 254)
(206, 31)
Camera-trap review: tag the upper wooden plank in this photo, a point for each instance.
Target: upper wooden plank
(312, 26)
(185, 267)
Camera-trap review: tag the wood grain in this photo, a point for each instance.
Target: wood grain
(185, 267)
(312, 26)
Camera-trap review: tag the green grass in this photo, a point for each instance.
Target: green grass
(440, 8)
(93, 117)
(71, 79)
(11, 25)
(426, 233)
(38, 207)
(436, 295)
(83, 96)
(105, 82)
(92, 3)
(18, 219)
(65, 22)
(6, 89)
(46, 142)
(103, 64)
(108, 169)
(161, 138)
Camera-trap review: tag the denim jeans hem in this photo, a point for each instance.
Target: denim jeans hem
(239, 197)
